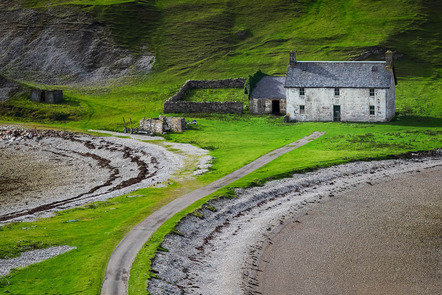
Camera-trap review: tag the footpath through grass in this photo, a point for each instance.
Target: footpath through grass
(342, 142)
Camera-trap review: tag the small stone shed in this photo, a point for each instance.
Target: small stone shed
(47, 96)
(163, 124)
(268, 96)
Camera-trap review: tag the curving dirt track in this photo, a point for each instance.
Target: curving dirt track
(118, 269)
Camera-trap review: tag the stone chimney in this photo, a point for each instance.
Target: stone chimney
(389, 59)
(292, 59)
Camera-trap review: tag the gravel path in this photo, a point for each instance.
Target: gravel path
(44, 171)
(118, 269)
(220, 253)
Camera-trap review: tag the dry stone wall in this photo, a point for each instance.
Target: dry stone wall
(175, 104)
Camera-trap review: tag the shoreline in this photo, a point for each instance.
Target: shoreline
(220, 253)
(44, 171)
(379, 238)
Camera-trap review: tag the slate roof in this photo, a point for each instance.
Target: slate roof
(340, 74)
(269, 87)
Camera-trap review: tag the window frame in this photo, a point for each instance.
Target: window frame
(337, 91)
(301, 109)
(301, 91)
(371, 92)
(372, 110)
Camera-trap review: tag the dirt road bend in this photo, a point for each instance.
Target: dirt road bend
(118, 269)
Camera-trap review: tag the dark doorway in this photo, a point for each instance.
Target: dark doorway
(275, 107)
(43, 96)
(336, 113)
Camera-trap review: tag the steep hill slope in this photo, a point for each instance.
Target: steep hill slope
(62, 41)
(63, 44)
(7, 88)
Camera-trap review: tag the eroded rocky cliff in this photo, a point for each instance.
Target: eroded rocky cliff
(7, 88)
(63, 44)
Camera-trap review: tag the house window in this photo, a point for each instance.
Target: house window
(301, 91)
(336, 91)
(371, 91)
(302, 109)
(371, 110)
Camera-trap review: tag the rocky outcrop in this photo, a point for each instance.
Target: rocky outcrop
(62, 44)
(7, 88)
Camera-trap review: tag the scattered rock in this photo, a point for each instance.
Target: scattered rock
(31, 257)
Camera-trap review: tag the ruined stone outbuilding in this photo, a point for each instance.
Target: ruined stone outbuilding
(268, 96)
(176, 104)
(47, 96)
(162, 125)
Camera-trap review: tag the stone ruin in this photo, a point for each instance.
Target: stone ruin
(176, 104)
(47, 96)
(162, 125)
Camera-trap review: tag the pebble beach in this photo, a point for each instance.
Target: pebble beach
(225, 250)
(44, 171)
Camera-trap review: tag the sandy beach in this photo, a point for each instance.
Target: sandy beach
(229, 250)
(383, 238)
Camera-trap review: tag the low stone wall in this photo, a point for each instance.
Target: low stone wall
(175, 104)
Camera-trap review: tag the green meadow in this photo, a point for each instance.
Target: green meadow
(194, 39)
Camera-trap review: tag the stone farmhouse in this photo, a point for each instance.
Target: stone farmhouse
(352, 91)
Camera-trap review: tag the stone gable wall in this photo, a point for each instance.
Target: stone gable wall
(175, 104)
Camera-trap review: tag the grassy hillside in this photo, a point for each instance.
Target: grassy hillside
(222, 39)
(195, 39)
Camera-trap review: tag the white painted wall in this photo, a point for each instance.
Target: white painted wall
(355, 104)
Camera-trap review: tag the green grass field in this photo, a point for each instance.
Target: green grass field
(226, 94)
(215, 40)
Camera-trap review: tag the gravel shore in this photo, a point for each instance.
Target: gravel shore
(43, 171)
(31, 257)
(220, 253)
